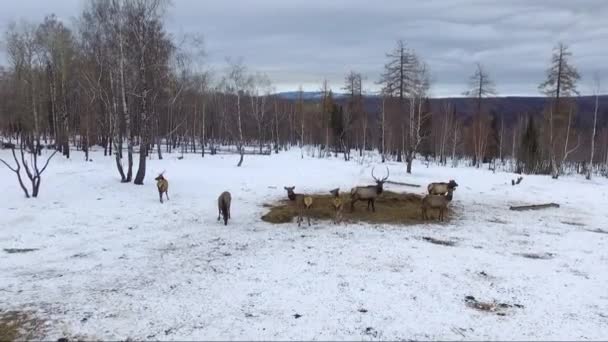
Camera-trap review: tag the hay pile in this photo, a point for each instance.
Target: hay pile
(391, 207)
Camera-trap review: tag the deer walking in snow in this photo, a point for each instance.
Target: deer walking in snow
(163, 186)
(223, 206)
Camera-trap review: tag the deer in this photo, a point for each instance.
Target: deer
(163, 186)
(436, 202)
(290, 193)
(223, 206)
(368, 193)
(337, 204)
(441, 188)
(304, 203)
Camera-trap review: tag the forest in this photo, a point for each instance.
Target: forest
(118, 80)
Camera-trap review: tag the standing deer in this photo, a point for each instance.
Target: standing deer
(441, 188)
(368, 193)
(304, 202)
(163, 186)
(337, 204)
(223, 206)
(290, 193)
(436, 202)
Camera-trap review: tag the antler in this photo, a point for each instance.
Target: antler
(374, 177)
(162, 173)
(387, 174)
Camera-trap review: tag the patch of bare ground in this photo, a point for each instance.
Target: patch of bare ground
(540, 256)
(21, 325)
(570, 223)
(597, 230)
(391, 207)
(19, 250)
(497, 308)
(439, 241)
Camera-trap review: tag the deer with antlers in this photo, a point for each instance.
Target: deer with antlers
(163, 186)
(368, 193)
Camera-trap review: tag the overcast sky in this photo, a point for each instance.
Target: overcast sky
(301, 42)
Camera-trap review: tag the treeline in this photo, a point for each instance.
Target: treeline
(118, 79)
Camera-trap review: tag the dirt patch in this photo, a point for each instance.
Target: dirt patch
(541, 256)
(599, 231)
(491, 307)
(570, 223)
(391, 207)
(438, 241)
(19, 250)
(20, 325)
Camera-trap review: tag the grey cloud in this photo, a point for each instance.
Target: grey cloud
(306, 41)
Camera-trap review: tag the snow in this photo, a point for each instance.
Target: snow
(113, 263)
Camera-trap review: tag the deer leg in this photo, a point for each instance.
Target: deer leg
(160, 194)
(373, 205)
(219, 213)
(167, 194)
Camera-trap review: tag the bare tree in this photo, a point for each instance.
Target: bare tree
(596, 90)
(561, 82)
(419, 87)
(480, 86)
(397, 77)
(238, 82)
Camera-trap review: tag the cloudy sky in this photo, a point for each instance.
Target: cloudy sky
(302, 42)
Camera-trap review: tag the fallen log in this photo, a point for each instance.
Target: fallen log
(534, 206)
(404, 184)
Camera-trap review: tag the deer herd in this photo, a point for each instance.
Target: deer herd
(438, 197)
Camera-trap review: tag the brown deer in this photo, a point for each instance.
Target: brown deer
(290, 193)
(304, 204)
(436, 202)
(368, 193)
(223, 206)
(441, 188)
(163, 186)
(337, 204)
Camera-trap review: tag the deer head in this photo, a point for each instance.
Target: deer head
(452, 184)
(160, 176)
(380, 182)
(290, 193)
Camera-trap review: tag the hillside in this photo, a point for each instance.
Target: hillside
(510, 106)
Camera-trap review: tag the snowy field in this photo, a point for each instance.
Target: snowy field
(113, 263)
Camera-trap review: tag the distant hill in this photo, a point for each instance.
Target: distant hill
(306, 95)
(510, 107)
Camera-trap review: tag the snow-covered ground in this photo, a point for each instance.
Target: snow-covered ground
(114, 263)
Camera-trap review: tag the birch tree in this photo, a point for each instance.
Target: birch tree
(596, 91)
(238, 82)
(480, 87)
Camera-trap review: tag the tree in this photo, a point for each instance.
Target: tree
(353, 85)
(560, 82)
(151, 51)
(24, 53)
(596, 90)
(238, 82)
(529, 157)
(480, 87)
(419, 111)
(396, 79)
